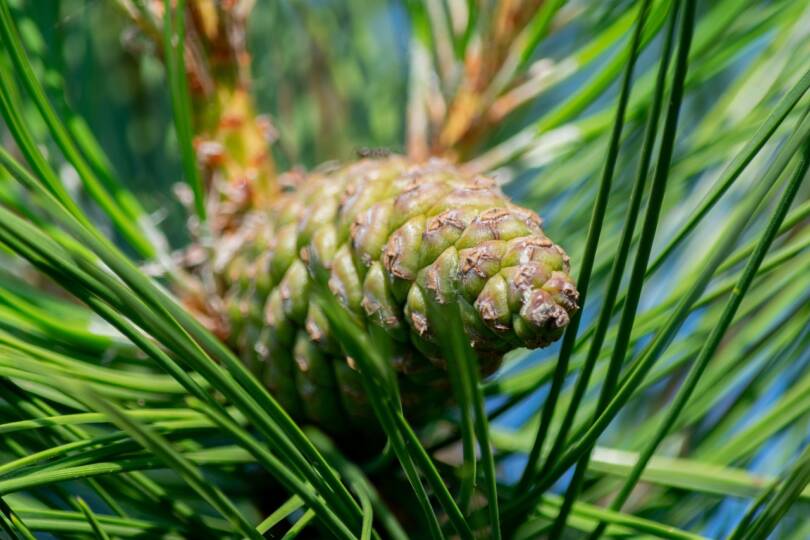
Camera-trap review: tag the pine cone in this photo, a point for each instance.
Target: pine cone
(388, 233)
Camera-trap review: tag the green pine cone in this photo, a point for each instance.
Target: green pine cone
(388, 233)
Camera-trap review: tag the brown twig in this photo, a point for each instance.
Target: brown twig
(469, 115)
(231, 138)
